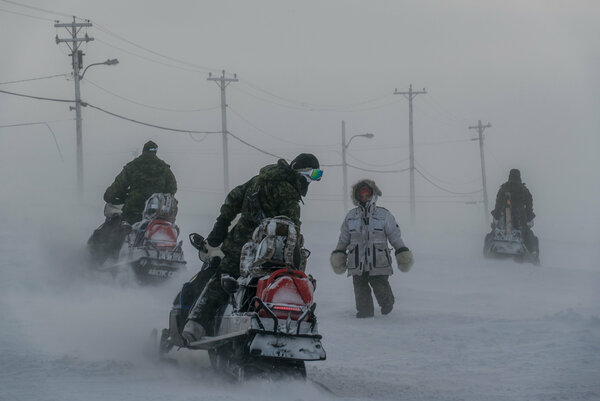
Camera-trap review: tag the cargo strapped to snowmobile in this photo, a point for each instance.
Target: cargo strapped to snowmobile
(276, 242)
(160, 206)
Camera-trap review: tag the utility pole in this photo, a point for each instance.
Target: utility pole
(480, 128)
(410, 95)
(222, 82)
(77, 59)
(345, 166)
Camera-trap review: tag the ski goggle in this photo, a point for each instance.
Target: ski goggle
(312, 174)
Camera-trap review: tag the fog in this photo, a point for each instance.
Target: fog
(530, 69)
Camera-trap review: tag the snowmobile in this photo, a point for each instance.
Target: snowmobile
(149, 248)
(269, 327)
(507, 238)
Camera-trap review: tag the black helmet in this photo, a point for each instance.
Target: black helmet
(304, 160)
(150, 147)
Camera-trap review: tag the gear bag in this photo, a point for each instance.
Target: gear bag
(276, 242)
(160, 206)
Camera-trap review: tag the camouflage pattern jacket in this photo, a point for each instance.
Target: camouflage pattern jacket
(521, 201)
(275, 191)
(140, 178)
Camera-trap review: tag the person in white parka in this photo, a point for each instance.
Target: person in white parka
(362, 250)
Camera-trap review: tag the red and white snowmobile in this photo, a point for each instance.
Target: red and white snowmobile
(149, 249)
(269, 327)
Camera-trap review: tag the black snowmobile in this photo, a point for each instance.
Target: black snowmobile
(510, 238)
(148, 249)
(269, 327)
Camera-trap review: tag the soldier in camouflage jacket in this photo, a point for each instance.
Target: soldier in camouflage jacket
(140, 178)
(277, 190)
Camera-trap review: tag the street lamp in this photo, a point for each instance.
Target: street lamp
(344, 164)
(76, 65)
(110, 61)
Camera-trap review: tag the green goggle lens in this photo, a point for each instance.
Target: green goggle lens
(314, 174)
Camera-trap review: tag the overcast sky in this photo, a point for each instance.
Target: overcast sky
(530, 68)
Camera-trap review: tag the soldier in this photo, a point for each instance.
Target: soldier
(521, 207)
(277, 190)
(362, 250)
(140, 178)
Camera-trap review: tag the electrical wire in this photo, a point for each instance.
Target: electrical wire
(444, 189)
(198, 140)
(37, 97)
(311, 108)
(376, 165)
(254, 147)
(313, 105)
(26, 15)
(444, 181)
(148, 106)
(14, 3)
(33, 79)
(378, 171)
(40, 123)
(271, 135)
(144, 57)
(148, 124)
(107, 31)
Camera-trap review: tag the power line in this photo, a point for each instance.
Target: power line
(198, 140)
(36, 8)
(148, 106)
(26, 15)
(33, 79)
(38, 97)
(377, 165)
(444, 181)
(271, 135)
(314, 105)
(254, 147)
(148, 124)
(39, 123)
(195, 70)
(199, 67)
(444, 189)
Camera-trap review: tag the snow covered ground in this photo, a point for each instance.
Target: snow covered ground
(463, 328)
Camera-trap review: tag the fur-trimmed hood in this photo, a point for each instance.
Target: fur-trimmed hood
(355, 187)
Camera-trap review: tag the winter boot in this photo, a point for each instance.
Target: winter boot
(193, 331)
(385, 309)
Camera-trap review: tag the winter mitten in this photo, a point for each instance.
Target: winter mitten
(530, 223)
(338, 261)
(405, 259)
